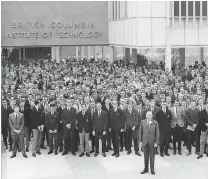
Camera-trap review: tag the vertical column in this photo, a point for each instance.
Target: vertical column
(186, 12)
(134, 55)
(168, 58)
(127, 53)
(182, 56)
(102, 52)
(96, 53)
(173, 13)
(88, 52)
(180, 13)
(82, 52)
(20, 57)
(53, 53)
(112, 54)
(200, 12)
(77, 52)
(201, 55)
(58, 54)
(24, 53)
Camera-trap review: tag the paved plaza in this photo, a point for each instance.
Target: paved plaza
(125, 167)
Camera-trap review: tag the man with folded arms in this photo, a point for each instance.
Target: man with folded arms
(52, 124)
(16, 122)
(149, 135)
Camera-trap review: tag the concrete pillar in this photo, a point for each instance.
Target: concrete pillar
(168, 64)
(201, 55)
(77, 52)
(134, 55)
(58, 54)
(127, 53)
(82, 52)
(20, 56)
(96, 53)
(24, 53)
(88, 52)
(182, 56)
(112, 54)
(53, 53)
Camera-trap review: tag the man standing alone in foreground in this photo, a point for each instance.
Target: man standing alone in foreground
(149, 137)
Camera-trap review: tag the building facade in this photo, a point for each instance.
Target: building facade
(158, 24)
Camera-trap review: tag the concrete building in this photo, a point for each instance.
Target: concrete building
(158, 24)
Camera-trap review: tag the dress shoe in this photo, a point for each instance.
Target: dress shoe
(113, 154)
(56, 152)
(24, 155)
(106, 150)
(19, 150)
(13, 155)
(162, 155)
(167, 154)
(6, 147)
(104, 155)
(61, 150)
(180, 153)
(121, 150)
(144, 171)
(194, 145)
(200, 156)
(197, 153)
(74, 154)
(189, 153)
(87, 154)
(38, 152)
(156, 152)
(81, 155)
(169, 147)
(27, 150)
(64, 153)
(96, 154)
(117, 155)
(153, 172)
(92, 151)
(50, 152)
(129, 152)
(33, 154)
(174, 153)
(42, 147)
(137, 153)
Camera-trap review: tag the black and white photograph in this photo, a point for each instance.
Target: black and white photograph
(104, 89)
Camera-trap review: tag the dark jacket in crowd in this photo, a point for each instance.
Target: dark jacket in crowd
(38, 117)
(131, 120)
(52, 121)
(5, 115)
(116, 119)
(69, 117)
(83, 122)
(27, 115)
(164, 121)
(192, 116)
(203, 121)
(100, 123)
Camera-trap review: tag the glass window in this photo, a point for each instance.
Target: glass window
(32, 53)
(197, 8)
(45, 52)
(176, 8)
(183, 8)
(204, 8)
(190, 8)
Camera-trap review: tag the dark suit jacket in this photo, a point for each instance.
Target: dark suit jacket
(164, 121)
(27, 115)
(116, 119)
(149, 135)
(69, 117)
(16, 124)
(5, 116)
(203, 121)
(83, 122)
(52, 121)
(131, 120)
(104, 108)
(38, 117)
(192, 117)
(100, 123)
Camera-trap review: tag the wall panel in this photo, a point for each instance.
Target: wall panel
(158, 31)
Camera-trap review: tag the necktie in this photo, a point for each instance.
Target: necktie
(176, 113)
(16, 116)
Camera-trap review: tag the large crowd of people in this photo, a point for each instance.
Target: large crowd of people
(70, 105)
